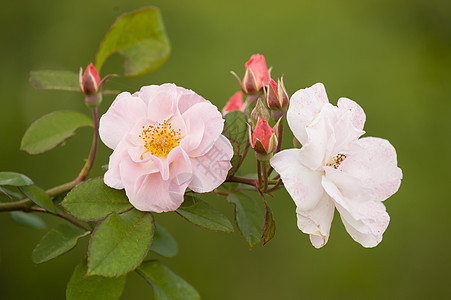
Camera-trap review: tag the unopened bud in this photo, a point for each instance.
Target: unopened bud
(277, 98)
(235, 103)
(90, 81)
(256, 75)
(263, 140)
(259, 111)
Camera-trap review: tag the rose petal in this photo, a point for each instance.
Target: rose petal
(317, 221)
(303, 184)
(357, 114)
(213, 126)
(120, 118)
(372, 167)
(305, 104)
(158, 195)
(210, 169)
(366, 222)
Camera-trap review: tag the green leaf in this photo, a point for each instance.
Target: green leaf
(82, 287)
(14, 179)
(27, 219)
(140, 38)
(269, 228)
(236, 130)
(55, 80)
(10, 194)
(163, 242)
(248, 216)
(166, 284)
(120, 243)
(52, 129)
(39, 196)
(92, 200)
(56, 242)
(203, 215)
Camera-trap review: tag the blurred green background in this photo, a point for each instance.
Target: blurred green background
(392, 57)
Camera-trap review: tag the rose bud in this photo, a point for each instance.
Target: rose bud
(277, 98)
(256, 75)
(90, 81)
(259, 111)
(235, 103)
(263, 140)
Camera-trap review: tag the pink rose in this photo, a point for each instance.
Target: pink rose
(336, 168)
(165, 139)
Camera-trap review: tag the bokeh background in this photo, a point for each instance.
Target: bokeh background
(392, 57)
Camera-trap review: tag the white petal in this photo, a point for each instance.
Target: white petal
(303, 184)
(357, 114)
(366, 222)
(370, 171)
(210, 169)
(305, 104)
(317, 221)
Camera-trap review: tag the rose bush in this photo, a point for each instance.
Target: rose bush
(165, 139)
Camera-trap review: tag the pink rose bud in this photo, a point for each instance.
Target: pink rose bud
(90, 82)
(277, 97)
(235, 103)
(256, 75)
(263, 140)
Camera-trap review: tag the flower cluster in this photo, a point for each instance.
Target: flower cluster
(167, 139)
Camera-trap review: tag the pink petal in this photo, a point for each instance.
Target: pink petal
(187, 99)
(210, 169)
(213, 122)
(162, 101)
(112, 177)
(303, 184)
(305, 104)
(317, 221)
(158, 195)
(120, 118)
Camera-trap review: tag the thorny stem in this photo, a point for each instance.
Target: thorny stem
(92, 154)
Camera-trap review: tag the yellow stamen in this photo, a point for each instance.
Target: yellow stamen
(335, 161)
(160, 139)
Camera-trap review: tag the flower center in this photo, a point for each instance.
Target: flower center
(160, 139)
(335, 161)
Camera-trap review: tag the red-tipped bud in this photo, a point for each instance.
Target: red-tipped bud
(235, 103)
(90, 82)
(277, 98)
(259, 111)
(263, 140)
(256, 75)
